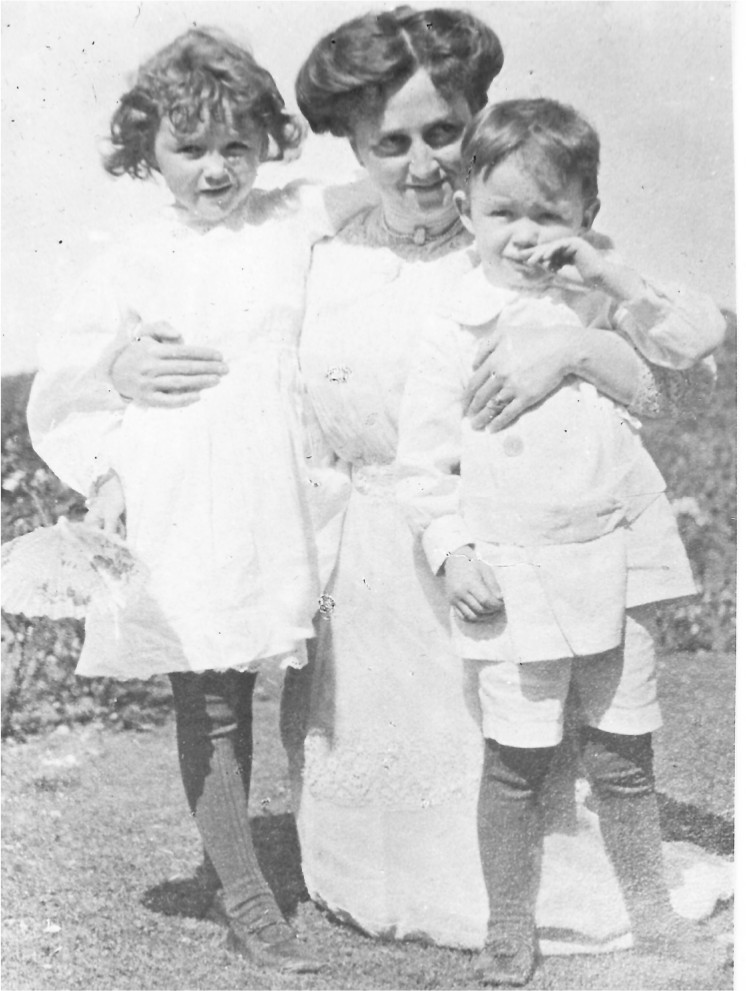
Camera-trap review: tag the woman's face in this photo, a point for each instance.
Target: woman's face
(412, 152)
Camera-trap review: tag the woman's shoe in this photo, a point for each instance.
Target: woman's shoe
(263, 949)
(507, 961)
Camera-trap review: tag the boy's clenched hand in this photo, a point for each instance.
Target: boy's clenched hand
(471, 586)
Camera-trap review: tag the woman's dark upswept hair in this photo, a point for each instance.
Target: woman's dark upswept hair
(202, 73)
(551, 133)
(352, 72)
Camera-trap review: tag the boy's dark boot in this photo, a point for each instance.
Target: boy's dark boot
(621, 771)
(510, 845)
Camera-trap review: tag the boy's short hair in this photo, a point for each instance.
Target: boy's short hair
(560, 135)
(201, 74)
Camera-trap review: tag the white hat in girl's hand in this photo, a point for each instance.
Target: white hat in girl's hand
(55, 571)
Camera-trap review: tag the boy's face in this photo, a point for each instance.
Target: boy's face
(210, 171)
(509, 211)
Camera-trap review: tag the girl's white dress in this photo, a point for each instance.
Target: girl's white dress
(382, 728)
(216, 492)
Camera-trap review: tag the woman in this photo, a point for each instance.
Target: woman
(385, 747)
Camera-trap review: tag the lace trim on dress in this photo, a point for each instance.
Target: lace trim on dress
(369, 229)
(666, 392)
(409, 776)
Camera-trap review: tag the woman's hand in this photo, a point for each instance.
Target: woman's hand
(517, 368)
(157, 369)
(471, 587)
(106, 506)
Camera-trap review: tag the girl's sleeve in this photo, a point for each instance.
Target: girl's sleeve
(429, 452)
(74, 412)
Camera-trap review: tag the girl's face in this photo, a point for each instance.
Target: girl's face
(412, 152)
(210, 171)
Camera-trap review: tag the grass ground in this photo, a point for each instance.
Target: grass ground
(100, 853)
(99, 886)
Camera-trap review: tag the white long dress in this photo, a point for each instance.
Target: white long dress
(382, 729)
(216, 491)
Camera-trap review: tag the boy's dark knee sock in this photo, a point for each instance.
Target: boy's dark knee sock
(558, 793)
(510, 835)
(621, 771)
(216, 784)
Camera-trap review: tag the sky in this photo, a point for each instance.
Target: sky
(654, 77)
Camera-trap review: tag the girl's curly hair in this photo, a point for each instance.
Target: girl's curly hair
(203, 72)
(353, 71)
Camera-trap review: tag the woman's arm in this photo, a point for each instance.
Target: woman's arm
(654, 361)
(517, 370)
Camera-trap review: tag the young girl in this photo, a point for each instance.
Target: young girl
(555, 535)
(215, 491)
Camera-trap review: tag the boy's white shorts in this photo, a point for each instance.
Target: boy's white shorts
(523, 705)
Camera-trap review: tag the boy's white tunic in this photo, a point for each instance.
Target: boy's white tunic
(565, 504)
(215, 491)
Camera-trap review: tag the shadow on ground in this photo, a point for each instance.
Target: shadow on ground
(278, 852)
(682, 821)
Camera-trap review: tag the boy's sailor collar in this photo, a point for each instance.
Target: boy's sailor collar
(475, 301)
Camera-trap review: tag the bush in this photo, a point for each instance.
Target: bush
(697, 456)
(39, 686)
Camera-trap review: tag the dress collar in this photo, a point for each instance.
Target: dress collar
(235, 221)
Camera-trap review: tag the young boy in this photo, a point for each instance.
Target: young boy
(554, 535)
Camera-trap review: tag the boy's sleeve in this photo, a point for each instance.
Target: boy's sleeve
(671, 326)
(430, 425)
(74, 412)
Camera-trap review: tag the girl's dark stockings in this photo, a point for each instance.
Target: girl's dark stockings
(214, 738)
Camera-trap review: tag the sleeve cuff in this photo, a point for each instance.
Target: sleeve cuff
(672, 327)
(443, 537)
